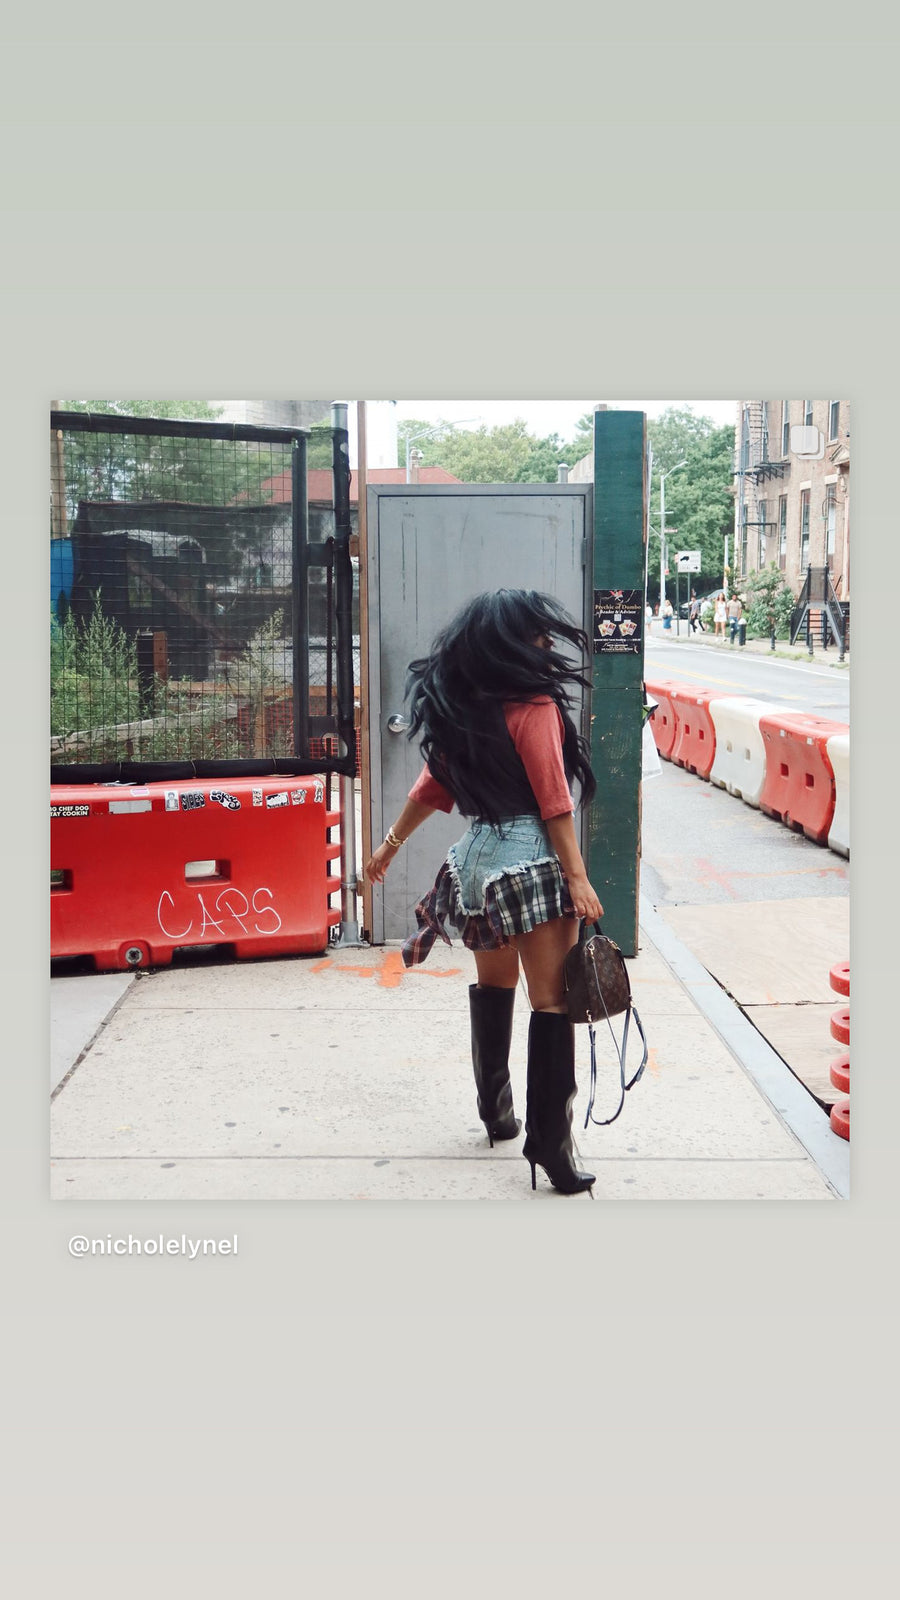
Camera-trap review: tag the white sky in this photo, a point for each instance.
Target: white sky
(549, 416)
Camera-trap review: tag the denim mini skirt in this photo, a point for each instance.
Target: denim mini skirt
(489, 851)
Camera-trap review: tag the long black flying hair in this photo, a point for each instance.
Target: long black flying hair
(488, 654)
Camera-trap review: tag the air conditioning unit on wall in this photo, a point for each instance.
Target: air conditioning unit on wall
(807, 442)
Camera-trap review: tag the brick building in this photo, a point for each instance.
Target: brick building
(792, 490)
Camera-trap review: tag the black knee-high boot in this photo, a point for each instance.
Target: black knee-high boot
(551, 1090)
(491, 1011)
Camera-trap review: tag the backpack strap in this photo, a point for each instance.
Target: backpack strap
(620, 1052)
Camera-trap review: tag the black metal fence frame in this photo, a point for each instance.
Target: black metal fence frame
(332, 553)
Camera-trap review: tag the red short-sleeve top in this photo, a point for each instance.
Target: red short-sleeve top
(536, 728)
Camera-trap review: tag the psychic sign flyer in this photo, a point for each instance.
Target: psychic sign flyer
(618, 621)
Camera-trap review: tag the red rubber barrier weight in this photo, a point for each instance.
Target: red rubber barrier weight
(663, 720)
(695, 735)
(839, 1073)
(799, 783)
(840, 1118)
(140, 871)
(839, 977)
(840, 1025)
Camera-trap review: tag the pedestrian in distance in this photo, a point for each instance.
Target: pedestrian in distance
(491, 706)
(735, 612)
(696, 621)
(720, 616)
(667, 614)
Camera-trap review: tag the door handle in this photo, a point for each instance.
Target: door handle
(397, 724)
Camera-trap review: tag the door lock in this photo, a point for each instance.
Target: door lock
(397, 724)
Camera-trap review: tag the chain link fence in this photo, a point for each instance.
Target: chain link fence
(182, 591)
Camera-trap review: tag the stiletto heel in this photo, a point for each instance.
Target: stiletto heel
(551, 1090)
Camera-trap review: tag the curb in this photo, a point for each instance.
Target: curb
(790, 1101)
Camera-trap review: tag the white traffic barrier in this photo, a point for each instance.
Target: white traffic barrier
(740, 760)
(838, 751)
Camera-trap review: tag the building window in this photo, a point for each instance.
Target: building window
(830, 522)
(834, 417)
(785, 427)
(762, 514)
(804, 529)
(782, 531)
(807, 413)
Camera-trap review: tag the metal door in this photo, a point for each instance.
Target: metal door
(430, 549)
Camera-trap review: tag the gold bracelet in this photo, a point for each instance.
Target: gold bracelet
(392, 839)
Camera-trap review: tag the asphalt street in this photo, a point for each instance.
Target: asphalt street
(704, 846)
(818, 690)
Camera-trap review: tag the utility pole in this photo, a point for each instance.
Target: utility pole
(662, 531)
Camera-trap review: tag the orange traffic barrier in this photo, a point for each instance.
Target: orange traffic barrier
(839, 977)
(799, 784)
(840, 1118)
(140, 871)
(839, 1073)
(663, 721)
(840, 1025)
(695, 734)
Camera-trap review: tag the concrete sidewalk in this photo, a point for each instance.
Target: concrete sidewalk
(347, 1077)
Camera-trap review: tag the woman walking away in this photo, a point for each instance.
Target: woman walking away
(491, 706)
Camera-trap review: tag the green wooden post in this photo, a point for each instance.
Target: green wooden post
(620, 552)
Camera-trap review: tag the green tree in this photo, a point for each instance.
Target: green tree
(583, 439)
(108, 466)
(770, 603)
(699, 504)
(507, 453)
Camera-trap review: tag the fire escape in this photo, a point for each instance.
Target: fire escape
(753, 467)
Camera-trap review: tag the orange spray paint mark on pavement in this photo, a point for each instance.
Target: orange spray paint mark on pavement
(653, 1063)
(390, 973)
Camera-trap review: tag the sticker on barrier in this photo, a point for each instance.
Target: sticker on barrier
(129, 888)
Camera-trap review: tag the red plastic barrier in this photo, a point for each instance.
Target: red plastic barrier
(695, 735)
(799, 782)
(839, 1073)
(840, 1025)
(839, 977)
(840, 1118)
(663, 721)
(137, 872)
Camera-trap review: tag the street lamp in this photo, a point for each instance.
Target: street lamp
(662, 531)
(428, 433)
